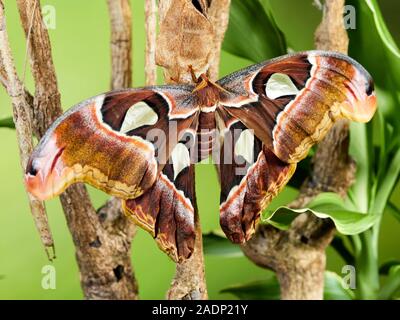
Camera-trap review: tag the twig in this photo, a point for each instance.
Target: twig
(189, 281)
(121, 43)
(150, 67)
(190, 37)
(298, 255)
(103, 257)
(27, 41)
(219, 17)
(121, 77)
(22, 119)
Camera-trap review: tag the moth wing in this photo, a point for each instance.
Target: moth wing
(250, 175)
(166, 210)
(279, 109)
(118, 142)
(292, 101)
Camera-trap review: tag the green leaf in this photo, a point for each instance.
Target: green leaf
(388, 183)
(252, 32)
(334, 289)
(214, 243)
(361, 151)
(7, 123)
(340, 247)
(385, 267)
(393, 210)
(325, 205)
(373, 46)
(382, 29)
(392, 284)
(269, 289)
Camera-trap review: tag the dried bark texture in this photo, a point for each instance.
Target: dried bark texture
(190, 36)
(121, 77)
(121, 43)
(189, 282)
(219, 17)
(150, 68)
(22, 101)
(102, 255)
(331, 34)
(298, 255)
(186, 39)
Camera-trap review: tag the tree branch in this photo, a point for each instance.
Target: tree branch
(219, 18)
(189, 281)
(22, 118)
(298, 255)
(150, 67)
(121, 77)
(190, 36)
(121, 43)
(101, 255)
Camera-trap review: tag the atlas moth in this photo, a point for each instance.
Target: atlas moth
(141, 145)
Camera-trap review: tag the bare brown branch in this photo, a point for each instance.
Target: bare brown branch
(298, 255)
(190, 36)
(121, 43)
(331, 34)
(150, 68)
(103, 257)
(22, 119)
(189, 281)
(121, 77)
(219, 17)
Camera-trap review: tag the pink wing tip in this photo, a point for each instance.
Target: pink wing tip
(42, 176)
(361, 110)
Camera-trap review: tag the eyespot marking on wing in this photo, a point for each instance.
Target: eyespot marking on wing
(279, 85)
(138, 115)
(244, 145)
(180, 158)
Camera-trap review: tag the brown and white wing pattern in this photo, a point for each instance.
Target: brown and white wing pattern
(289, 103)
(117, 142)
(292, 101)
(166, 210)
(141, 144)
(251, 175)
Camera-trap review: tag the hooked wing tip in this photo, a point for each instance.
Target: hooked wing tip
(361, 110)
(361, 102)
(43, 177)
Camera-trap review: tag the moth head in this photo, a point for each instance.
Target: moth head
(207, 92)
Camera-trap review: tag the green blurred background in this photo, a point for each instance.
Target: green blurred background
(81, 55)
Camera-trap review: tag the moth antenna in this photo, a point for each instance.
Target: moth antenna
(219, 87)
(201, 85)
(192, 74)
